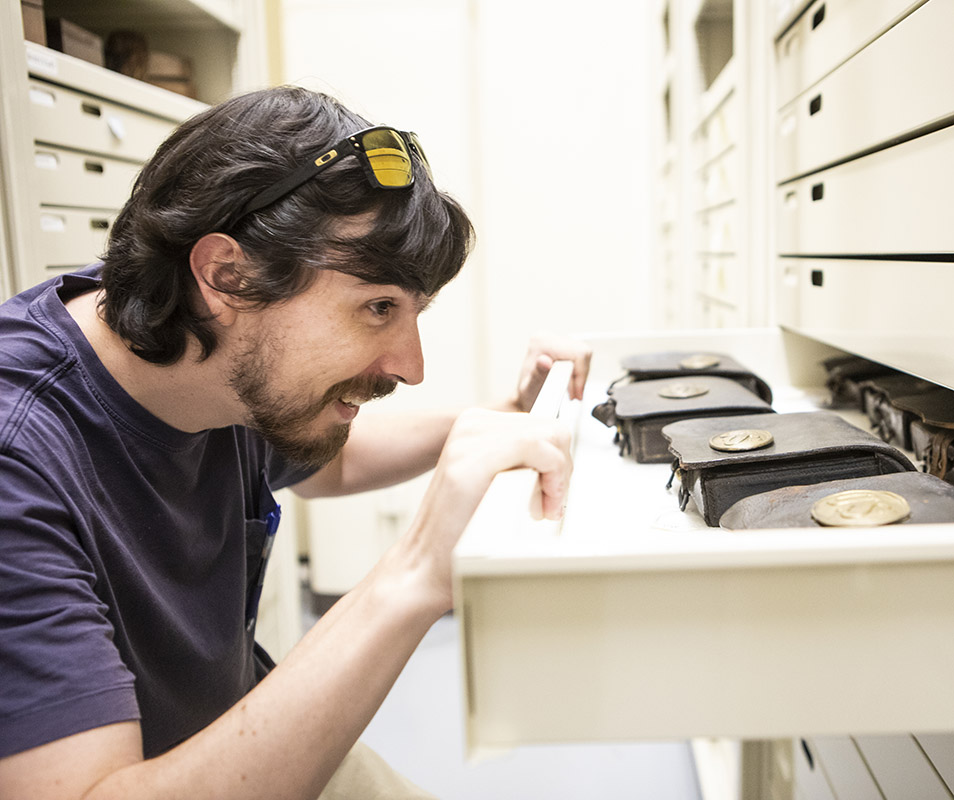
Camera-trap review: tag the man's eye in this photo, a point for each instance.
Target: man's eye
(382, 308)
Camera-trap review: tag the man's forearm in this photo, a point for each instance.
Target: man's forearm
(384, 449)
(287, 736)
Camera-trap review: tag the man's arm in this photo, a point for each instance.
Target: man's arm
(385, 449)
(288, 735)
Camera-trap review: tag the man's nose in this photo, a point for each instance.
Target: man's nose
(404, 360)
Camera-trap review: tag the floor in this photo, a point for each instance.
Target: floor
(419, 731)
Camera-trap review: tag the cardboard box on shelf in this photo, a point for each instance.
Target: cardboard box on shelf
(34, 23)
(70, 38)
(170, 72)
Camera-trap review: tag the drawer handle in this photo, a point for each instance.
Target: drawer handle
(92, 108)
(808, 755)
(818, 277)
(818, 17)
(95, 166)
(818, 191)
(814, 106)
(99, 224)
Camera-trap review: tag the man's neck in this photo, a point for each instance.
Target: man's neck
(191, 395)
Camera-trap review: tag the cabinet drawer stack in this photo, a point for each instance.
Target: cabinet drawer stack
(92, 130)
(864, 145)
(864, 142)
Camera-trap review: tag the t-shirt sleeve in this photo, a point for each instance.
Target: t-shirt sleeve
(60, 672)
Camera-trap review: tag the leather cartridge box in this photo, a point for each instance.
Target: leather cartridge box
(929, 499)
(680, 364)
(640, 410)
(770, 451)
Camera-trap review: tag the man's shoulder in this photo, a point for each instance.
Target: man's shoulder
(35, 353)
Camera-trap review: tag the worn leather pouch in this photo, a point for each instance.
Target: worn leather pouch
(806, 448)
(888, 420)
(932, 429)
(845, 376)
(640, 410)
(929, 498)
(680, 364)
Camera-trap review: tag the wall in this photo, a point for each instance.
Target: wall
(532, 114)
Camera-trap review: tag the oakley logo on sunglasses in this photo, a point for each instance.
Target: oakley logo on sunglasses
(383, 152)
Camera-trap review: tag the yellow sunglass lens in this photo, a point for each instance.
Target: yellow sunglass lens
(388, 157)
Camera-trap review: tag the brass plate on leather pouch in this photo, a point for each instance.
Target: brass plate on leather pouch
(699, 361)
(741, 440)
(682, 391)
(860, 508)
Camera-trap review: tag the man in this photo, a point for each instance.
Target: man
(263, 281)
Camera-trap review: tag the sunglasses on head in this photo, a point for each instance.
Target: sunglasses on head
(384, 153)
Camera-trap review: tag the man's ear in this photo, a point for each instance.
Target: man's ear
(214, 260)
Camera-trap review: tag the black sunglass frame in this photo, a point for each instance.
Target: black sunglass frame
(314, 164)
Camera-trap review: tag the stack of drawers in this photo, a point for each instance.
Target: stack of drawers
(864, 135)
(864, 149)
(92, 131)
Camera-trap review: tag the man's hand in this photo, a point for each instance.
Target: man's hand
(545, 349)
(481, 444)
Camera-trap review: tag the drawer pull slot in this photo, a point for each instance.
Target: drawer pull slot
(818, 277)
(95, 166)
(808, 755)
(92, 108)
(819, 17)
(99, 224)
(818, 191)
(814, 106)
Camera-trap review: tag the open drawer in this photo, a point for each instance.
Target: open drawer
(633, 620)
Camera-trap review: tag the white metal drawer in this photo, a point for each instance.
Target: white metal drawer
(847, 772)
(718, 180)
(892, 311)
(939, 747)
(722, 279)
(720, 130)
(894, 201)
(69, 238)
(64, 117)
(718, 229)
(842, 115)
(810, 781)
(901, 768)
(827, 33)
(66, 178)
(632, 620)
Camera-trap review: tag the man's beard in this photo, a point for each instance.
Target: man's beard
(284, 420)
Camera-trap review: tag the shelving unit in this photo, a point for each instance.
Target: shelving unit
(77, 133)
(709, 229)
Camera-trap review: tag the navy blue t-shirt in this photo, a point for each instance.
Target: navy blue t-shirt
(126, 546)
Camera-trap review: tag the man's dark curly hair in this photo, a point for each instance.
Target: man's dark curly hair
(211, 165)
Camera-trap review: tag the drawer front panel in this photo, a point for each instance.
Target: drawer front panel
(891, 311)
(718, 181)
(847, 772)
(70, 238)
(810, 781)
(901, 768)
(841, 115)
(63, 117)
(718, 230)
(722, 278)
(65, 178)
(894, 201)
(720, 130)
(825, 35)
